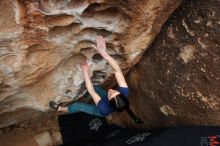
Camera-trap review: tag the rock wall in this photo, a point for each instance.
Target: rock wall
(177, 80)
(41, 41)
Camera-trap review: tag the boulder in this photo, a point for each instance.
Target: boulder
(41, 43)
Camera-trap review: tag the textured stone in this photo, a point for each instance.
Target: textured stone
(56, 138)
(43, 138)
(41, 42)
(18, 116)
(177, 80)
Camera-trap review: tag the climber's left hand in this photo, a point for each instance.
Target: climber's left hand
(84, 66)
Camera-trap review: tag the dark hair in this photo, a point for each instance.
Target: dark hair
(120, 103)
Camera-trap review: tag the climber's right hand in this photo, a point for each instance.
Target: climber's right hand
(101, 46)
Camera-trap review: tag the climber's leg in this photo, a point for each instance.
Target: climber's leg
(83, 107)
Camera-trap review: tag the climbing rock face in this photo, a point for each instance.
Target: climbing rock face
(177, 80)
(42, 41)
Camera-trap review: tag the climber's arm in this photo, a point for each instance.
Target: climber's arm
(89, 86)
(117, 70)
(101, 48)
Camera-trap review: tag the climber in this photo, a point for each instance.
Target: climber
(105, 102)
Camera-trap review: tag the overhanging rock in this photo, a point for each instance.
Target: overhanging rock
(42, 41)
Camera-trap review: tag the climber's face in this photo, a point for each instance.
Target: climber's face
(112, 93)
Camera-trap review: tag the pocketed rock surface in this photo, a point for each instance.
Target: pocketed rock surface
(41, 42)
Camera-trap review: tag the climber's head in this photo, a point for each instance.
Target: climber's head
(112, 93)
(117, 100)
(119, 103)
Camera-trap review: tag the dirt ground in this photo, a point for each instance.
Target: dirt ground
(26, 133)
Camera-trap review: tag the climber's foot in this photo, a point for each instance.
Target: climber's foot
(54, 105)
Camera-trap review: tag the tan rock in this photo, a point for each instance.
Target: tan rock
(42, 41)
(43, 139)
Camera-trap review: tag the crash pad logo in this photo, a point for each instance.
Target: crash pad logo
(138, 138)
(213, 140)
(94, 124)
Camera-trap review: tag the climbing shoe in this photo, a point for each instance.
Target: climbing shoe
(54, 105)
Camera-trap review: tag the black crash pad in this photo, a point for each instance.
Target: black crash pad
(81, 129)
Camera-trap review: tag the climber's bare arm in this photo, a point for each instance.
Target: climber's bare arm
(85, 68)
(101, 48)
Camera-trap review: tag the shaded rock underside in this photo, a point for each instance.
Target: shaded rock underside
(177, 80)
